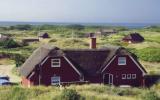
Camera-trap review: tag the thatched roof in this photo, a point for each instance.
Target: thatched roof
(134, 37)
(27, 40)
(87, 61)
(43, 34)
(37, 56)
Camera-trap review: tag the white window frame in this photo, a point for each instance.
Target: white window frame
(134, 76)
(129, 76)
(124, 76)
(58, 81)
(59, 62)
(119, 60)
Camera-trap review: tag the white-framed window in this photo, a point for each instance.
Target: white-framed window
(55, 62)
(128, 76)
(133, 76)
(55, 80)
(121, 60)
(123, 76)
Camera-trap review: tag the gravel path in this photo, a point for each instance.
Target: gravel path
(6, 70)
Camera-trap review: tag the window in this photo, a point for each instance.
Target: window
(55, 62)
(133, 76)
(128, 76)
(55, 80)
(123, 76)
(122, 61)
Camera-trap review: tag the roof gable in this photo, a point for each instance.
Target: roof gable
(37, 56)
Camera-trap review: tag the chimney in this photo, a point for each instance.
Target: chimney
(93, 43)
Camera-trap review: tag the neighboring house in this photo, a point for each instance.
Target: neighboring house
(110, 65)
(3, 38)
(105, 32)
(30, 40)
(43, 35)
(90, 35)
(133, 38)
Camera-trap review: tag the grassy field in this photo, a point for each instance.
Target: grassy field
(65, 40)
(148, 54)
(83, 92)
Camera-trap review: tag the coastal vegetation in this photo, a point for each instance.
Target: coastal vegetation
(73, 36)
(79, 92)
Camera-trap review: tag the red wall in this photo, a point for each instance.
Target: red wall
(66, 72)
(129, 68)
(26, 82)
(94, 79)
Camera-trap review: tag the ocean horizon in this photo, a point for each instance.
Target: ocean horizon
(128, 25)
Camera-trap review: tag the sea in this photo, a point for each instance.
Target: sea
(127, 25)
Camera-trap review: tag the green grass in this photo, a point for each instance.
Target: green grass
(147, 52)
(61, 38)
(88, 92)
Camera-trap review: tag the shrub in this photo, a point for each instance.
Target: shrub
(19, 60)
(21, 27)
(10, 44)
(150, 95)
(69, 94)
(53, 40)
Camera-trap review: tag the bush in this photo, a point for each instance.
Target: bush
(150, 95)
(69, 94)
(53, 40)
(21, 27)
(19, 60)
(10, 44)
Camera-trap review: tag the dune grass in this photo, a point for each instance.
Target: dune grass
(88, 92)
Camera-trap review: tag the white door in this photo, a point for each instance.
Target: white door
(111, 79)
(108, 78)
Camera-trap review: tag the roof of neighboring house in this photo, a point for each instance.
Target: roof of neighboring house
(134, 37)
(3, 37)
(108, 30)
(90, 35)
(41, 34)
(87, 61)
(30, 40)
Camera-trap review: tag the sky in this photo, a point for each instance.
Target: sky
(87, 11)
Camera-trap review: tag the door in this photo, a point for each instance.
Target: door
(108, 78)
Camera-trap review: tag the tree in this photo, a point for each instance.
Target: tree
(10, 44)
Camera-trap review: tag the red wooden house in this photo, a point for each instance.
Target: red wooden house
(133, 38)
(111, 65)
